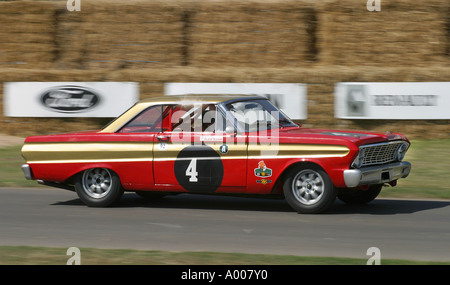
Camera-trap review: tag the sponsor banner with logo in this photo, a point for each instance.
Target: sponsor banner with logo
(290, 98)
(393, 100)
(69, 99)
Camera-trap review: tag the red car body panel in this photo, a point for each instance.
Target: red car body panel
(143, 175)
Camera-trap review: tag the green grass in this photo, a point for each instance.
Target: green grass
(11, 174)
(428, 179)
(429, 175)
(26, 255)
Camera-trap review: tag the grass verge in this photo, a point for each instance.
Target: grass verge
(430, 161)
(11, 174)
(26, 255)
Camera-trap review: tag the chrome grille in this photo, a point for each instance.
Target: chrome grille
(379, 153)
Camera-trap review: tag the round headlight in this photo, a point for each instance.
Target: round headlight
(401, 151)
(359, 159)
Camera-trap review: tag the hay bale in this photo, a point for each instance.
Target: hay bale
(248, 34)
(134, 34)
(26, 39)
(400, 34)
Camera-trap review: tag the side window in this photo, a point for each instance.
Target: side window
(183, 118)
(147, 121)
(167, 114)
(209, 118)
(194, 118)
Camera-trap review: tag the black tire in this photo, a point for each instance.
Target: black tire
(308, 189)
(98, 187)
(359, 197)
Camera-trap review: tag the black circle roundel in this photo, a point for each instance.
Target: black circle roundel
(199, 169)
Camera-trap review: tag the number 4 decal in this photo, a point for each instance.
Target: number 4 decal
(192, 171)
(199, 169)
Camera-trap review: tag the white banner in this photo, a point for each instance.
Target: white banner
(68, 99)
(393, 100)
(290, 98)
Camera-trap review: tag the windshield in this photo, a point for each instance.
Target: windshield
(258, 115)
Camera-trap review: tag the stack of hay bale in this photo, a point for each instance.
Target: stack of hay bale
(27, 31)
(248, 33)
(318, 43)
(116, 35)
(403, 33)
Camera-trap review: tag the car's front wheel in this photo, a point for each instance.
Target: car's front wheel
(308, 189)
(98, 187)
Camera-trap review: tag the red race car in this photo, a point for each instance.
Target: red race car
(221, 144)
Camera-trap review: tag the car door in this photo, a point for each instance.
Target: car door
(136, 172)
(193, 153)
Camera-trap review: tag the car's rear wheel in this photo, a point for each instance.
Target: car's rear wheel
(308, 189)
(359, 197)
(98, 187)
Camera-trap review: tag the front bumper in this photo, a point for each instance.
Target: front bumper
(376, 174)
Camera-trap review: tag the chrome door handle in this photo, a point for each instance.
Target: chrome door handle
(163, 138)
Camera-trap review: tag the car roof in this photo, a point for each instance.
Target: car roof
(175, 99)
(201, 98)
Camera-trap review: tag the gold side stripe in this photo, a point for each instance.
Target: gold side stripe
(138, 151)
(250, 157)
(93, 152)
(174, 159)
(89, 160)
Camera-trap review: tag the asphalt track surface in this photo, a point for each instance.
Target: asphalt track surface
(401, 229)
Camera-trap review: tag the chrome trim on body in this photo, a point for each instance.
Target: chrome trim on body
(27, 171)
(376, 174)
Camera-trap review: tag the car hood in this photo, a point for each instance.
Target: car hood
(287, 135)
(326, 135)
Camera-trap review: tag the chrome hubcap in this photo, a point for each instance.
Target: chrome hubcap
(308, 186)
(97, 182)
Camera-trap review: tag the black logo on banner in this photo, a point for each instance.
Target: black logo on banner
(70, 99)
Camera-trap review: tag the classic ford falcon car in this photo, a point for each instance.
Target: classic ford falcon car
(221, 144)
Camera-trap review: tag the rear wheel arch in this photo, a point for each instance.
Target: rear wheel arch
(81, 169)
(98, 186)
